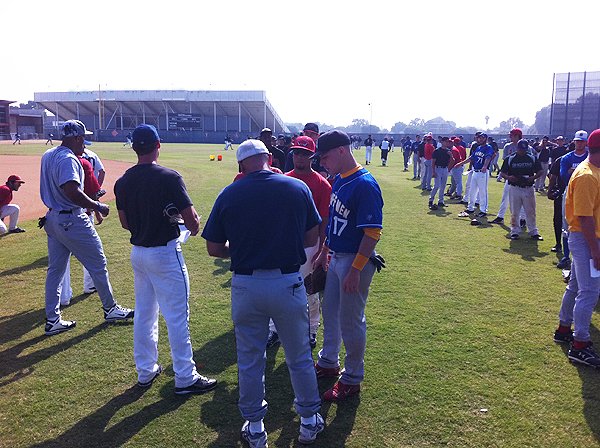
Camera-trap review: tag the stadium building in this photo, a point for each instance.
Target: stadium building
(198, 116)
(575, 103)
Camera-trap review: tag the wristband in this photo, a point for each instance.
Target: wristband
(360, 261)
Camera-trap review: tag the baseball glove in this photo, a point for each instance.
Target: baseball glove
(315, 281)
(378, 261)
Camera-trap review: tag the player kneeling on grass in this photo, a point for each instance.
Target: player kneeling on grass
(149, 196)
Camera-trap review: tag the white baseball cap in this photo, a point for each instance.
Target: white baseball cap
(251, 148)
(581, 135)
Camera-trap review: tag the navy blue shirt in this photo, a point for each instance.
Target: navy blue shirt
(264, 216)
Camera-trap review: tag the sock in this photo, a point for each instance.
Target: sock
(578, 345)
(257, 427)
(309, 420)
(563, 329)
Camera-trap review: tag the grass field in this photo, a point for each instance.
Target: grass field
(459, 350)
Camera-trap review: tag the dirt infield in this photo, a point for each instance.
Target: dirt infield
(28, 196)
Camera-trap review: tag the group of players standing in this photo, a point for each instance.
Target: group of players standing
(574, 186)
(333, 225)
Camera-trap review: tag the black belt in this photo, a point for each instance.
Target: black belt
(477, 171)
(63, 212)
(520, 186)
(437, 166)
(285, 270)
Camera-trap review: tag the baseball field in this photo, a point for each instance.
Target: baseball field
(459, 349)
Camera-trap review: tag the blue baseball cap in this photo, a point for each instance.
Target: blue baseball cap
(145, 134)
(523, 144)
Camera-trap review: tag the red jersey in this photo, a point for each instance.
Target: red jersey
(458, 154)
(429, 148)
(320, 189)
(90, 184)
(5, 195)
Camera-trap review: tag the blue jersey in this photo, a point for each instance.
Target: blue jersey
(570, 161)
(355, 204)
(481, 153)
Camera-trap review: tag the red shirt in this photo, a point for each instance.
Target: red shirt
(5, 195)
(429, 148)
(90, 184)
(459, 154)
(320, 189)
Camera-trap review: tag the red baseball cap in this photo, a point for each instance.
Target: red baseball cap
(594, 139)
(516, 131)
(15, 178)
(305, 143)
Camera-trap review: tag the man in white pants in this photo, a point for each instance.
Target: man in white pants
(151, 200)
(509, 149)
(521, 170)
(13, 183)
(481, 160)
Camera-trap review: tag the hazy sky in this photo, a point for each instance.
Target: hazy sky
(320, 61)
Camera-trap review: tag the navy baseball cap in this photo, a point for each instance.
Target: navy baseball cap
(483, 134)
(145, 134)
(523, 144)
(330, 140)
(75, 128)
(313, 127)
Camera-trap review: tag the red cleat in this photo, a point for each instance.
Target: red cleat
(341, 391)
(322, 372)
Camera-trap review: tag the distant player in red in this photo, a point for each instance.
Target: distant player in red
(13, 183)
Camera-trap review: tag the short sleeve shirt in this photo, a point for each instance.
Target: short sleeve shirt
(320, 189)
(356, 204)
(264, 216)
(143, 193)
(583, 196)
(570, 161)
(59, 166)
(442, 157)
(481, 153)
(94, 160)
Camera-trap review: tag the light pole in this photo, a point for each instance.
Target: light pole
(371, 119)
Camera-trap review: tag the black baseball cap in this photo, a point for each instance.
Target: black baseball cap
(313, 127)
(330, 140)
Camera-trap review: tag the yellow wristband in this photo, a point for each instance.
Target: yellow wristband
(360, 261)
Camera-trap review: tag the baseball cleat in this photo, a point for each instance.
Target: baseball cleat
(199, 387)
(118, 312)
(58, 326)
(148, 383)
(322, 372)
(341, 391)
(308, 433)
(563, 338)
(258, 440)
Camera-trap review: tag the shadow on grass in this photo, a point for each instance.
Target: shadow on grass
(525, 247)
(15, 326)
(223, 266)
(21, 366)
(37, 264)
(91, 430)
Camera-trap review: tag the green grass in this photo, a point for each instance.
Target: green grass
(461, 320)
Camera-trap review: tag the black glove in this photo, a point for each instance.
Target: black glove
(378, 261)
(315, 281)
(41, 222)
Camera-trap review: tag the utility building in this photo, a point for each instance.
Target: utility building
(179, 115)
